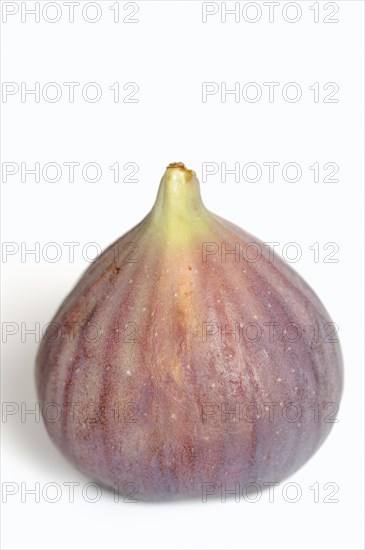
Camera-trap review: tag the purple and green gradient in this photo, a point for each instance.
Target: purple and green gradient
(146, 368)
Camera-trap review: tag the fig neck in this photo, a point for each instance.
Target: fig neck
(179, 208)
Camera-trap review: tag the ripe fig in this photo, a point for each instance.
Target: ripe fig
(188, 356)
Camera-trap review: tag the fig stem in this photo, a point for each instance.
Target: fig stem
(179, 207)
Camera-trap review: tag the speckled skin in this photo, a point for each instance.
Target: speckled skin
(143, 374)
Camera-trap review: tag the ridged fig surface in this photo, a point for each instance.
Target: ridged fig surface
(176, 364)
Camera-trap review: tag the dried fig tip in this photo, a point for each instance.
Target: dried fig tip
(177, 165)
(182, 168)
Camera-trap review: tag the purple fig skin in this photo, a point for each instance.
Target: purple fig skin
(158, 371)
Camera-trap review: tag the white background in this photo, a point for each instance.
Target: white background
(169, 53)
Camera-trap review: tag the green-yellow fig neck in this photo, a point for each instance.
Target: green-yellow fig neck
(179, 209)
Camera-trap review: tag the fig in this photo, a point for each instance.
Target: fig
(188, 356)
